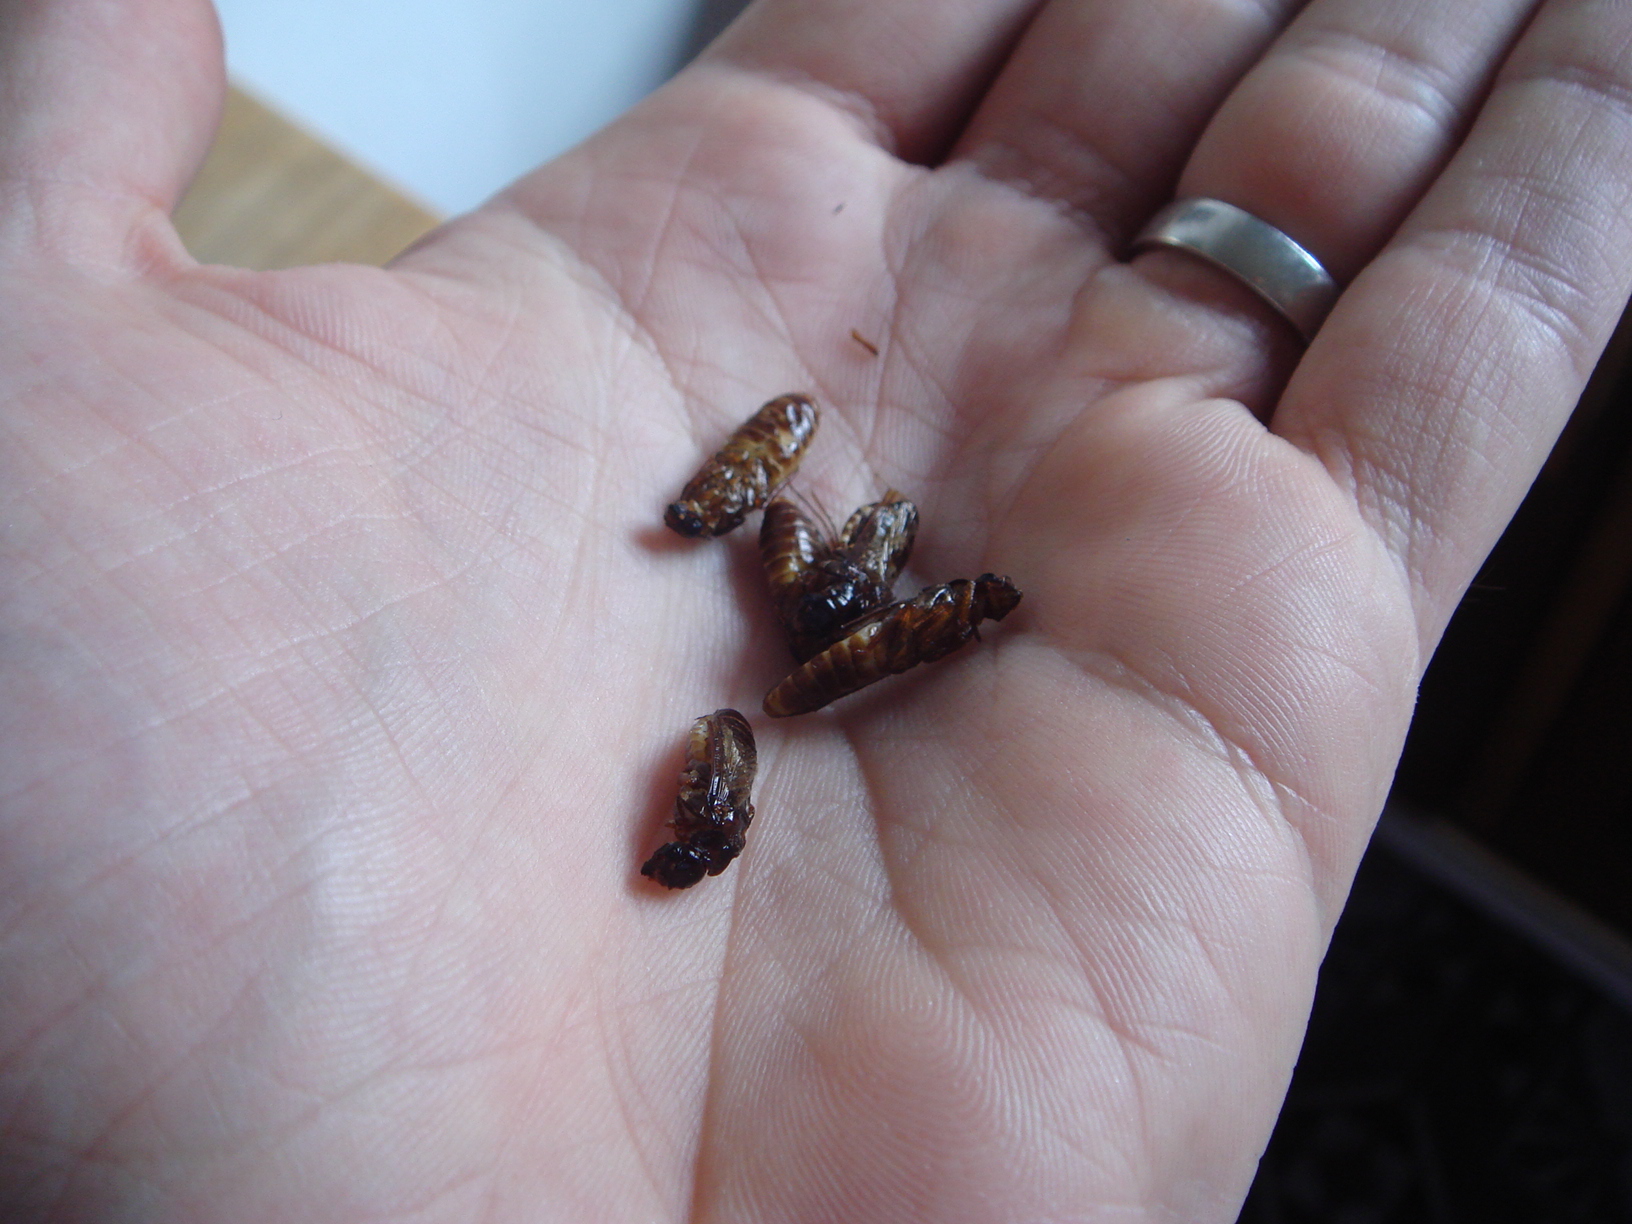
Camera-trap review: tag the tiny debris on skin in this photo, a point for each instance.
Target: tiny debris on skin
(711, 810)
(741, 477)
(895, 639)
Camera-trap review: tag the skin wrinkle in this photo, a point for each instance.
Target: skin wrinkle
(422, 1204)
(30, 176)
(943, 960)
(771, 308)
(916, 246)
(945, 437)
(550, 1034)
(1085, 205)
(340, 455)
(187, 828)
(834, 1073)
(1088, 199)
(890, 358)
(1129, 1032)
(1392, 73)
(482, 397)
(857, 111)
(1403, 520)
(425, 444)
(629, 1104)
(703, 1154)
(28, 196)
(1257, 780)
(429, 943)
(465, 440)
(629, 309)
(562, 259)
(1267, 796)
(1401, 524)
(1092, 960)
(298, 1126)
(1484, 260)
(274, 554)
(21, 1050)
(270, 552)
(274, 736)
(837, 885)
(1597, 84)
(635, 301)
(1559, 311)
(100, 1148)
(231, 284)
(184, 825)
(626, 349)
(102, 364)
(1087, 960)
(50, 474)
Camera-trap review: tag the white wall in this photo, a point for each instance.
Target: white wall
(451, 99)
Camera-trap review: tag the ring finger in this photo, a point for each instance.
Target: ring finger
(1336, 133)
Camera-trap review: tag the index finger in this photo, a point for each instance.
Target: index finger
(911, 69)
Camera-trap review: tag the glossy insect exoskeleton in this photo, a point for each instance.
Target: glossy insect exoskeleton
(895, 639)
(819, 586)
(754, 462)
(711, 812)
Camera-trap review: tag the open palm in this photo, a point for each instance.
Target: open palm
(346, 665)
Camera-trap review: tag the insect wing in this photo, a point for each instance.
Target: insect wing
(878, 537)
(735, 760)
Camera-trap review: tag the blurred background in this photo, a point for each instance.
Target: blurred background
(1470, 1053)
(449, 100)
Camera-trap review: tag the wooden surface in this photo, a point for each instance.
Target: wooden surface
(271, 196)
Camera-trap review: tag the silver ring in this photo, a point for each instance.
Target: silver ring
(1257, 254)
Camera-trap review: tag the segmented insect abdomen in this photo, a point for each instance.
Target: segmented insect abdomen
(788, 547)
(895, 639)
(849, 664)
(754, 462)
(711, 811)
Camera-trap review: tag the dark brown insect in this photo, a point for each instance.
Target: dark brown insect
(754, 462)
(820, 585)
(711, 812)
(895, 639)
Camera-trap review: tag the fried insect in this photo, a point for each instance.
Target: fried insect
(754, 462)
(895, 639)
(819, 586)
(711, 812)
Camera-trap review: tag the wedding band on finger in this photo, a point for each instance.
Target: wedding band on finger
(1257, 254)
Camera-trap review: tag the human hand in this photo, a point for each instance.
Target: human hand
(346, 666)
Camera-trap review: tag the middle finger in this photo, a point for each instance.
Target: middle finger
(1329, 131)
(1101, 102)
(1333, 137)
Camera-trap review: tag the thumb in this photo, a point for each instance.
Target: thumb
(108, 107)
